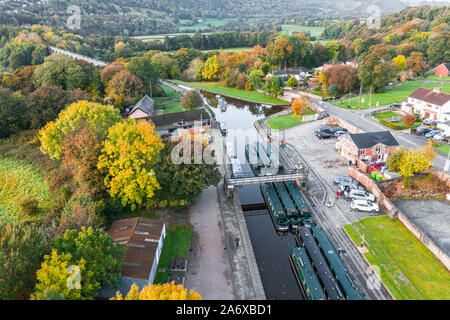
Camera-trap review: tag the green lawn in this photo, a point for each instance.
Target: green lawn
(204, 24)
(20, 180)
(387, 114)
(404, 127)
(176, 244)
(287, 121)
(444, 148)
(170, 107)
(216, 87)
(392, 95)
(167, 103)
(313, 31)
(407, 267)
(435, 77)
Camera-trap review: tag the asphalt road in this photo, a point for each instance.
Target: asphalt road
(360, 118)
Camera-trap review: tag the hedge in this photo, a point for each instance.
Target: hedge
(390, 124)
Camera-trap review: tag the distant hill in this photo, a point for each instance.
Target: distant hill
(143, 17)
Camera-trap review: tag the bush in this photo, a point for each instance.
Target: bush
(409, 120)
(390, 124)
(29, 207)
(191, 100)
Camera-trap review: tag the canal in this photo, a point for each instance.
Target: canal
(271, 249)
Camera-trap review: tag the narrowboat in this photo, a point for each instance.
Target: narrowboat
(305, 275)
(253, 158)
(305, 214)
(276, 210)
(289, 207)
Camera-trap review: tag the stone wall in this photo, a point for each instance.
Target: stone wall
(394, 212)
(442, 175)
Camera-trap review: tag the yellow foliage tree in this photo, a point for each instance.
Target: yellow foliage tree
(299, 106)
(128, 156)
(167, 291)
(211, 68)
(323, 79)
(400, 62)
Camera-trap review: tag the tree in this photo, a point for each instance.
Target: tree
(374, 72)
(13, 113)
(183, 182)
(191, 100)
(399, 62)
(167, 66)
(167, 291)
(292, 82)
(77, 115)
(57, 270)
(97, 249)
(125, 89)
(299, 106)
(333, 90)
(45, 104)
(21, 250)
(146, 70)
(81, 150)
(255, 79)
(23, 79)
(416, 63)
(438, 49)
(211, 68)
(345, 78)
(265, 67)
(323, 79)
(129, 156)
(409, 119)
(194, 71)
(110, 71)
(273, 86)
(279, 53)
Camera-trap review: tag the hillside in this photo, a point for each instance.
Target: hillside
(143, 17)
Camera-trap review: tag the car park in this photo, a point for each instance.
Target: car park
(361, 195)
(430, 123)
(364, 205)
(421, 131)
(432, 133)
(322, 130)
(349, 186)
(440, 136)
(336, 129)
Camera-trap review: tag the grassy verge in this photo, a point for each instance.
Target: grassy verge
(176, 244)
(444, 148)
(435, 77)
(387, 114)
(215, 87)
(170, 103)
(287, 121)
(391, 95)
(407, 267)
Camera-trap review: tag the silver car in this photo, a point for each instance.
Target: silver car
(361, 195)
(363, 205)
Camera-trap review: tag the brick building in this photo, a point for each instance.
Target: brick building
(368, 147)
(442, 70)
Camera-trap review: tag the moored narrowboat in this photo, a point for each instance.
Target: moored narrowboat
(288, 205)
(276, 210)
(305, 275)
(305, 215)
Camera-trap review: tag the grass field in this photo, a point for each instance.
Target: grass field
(287, 121)
(435, 77)
(313, 31)
(391, 95)
(20, 180)
(215, 87)
(161, 37)
(170, 103)
(176, 244)
(385, 115)
(407, 267)
(444, 148)
(205, 24)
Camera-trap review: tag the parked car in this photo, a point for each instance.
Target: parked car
(361, 195)
(325, 135)
(336, 129)
(421, 131)
(430, 122)
(440, 136)
(432, 133)
(342, 179)
(364, 205)
(337, 134)
(322, 130)
(348, 186)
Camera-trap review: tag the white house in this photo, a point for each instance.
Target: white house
(430, 104)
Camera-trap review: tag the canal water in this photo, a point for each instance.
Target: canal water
(271, 249)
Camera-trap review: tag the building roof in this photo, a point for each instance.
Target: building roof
(146, 104)
(178, 117)
(369, 139)
(434, 97)
(446, 65)
(140, 237)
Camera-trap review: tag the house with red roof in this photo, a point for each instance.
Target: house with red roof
(429, 104)
(442, 70)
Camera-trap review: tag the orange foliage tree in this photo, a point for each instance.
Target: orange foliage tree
(409, 119)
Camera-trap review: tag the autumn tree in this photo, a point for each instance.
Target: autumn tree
(77, 115)
(183, 182)
(166, 65)
(274, 86)
(279, 53)
(21, 250)
(23, 79)
(191, 100)
(167, 291)
(344, 77)
(147, 71)
(300, 106)
(323, 79)
(211, 68)
(255, 79)
(125, 89)
(416, 63)
(129, 156)
(13, 113)
(409, 119)
(400, 62)
(375, 70)
(110, 71)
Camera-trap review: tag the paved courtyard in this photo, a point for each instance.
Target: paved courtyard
(432, 216)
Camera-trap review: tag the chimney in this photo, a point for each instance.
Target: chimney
(437, 89)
